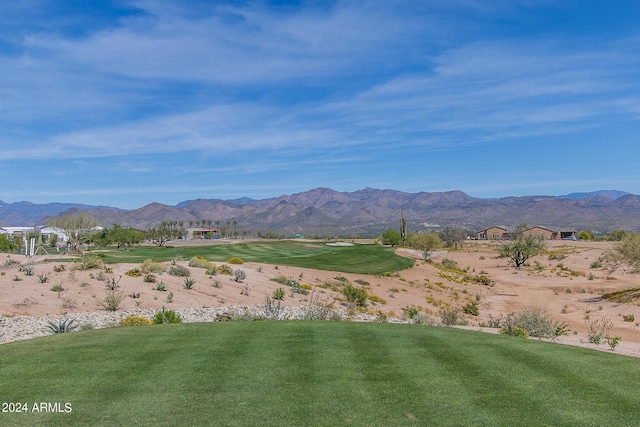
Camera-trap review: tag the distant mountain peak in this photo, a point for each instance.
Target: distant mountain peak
(609, 194)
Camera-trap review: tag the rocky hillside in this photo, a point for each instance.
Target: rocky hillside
(366, 212)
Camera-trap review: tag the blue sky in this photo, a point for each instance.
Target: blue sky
(128, 102)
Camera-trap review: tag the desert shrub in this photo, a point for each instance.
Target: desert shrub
(319, 310)
(596, 264)
(422, 319)
(57, 288)
(294, 285)
(224, 269)
(515, 331)
(28, 270)
(449, 316)
(362, 282)
(598, 329)
(43, 277)
(481, 279)
(199, 262)
(278, 294)
(471, 308)
(239, 274)
(306, 286)
(161, 286)
(149, 278)
(235, 260)
(189, 283)
(151, 266)
(69, 303)
(166, 316)
(134, 272)
(170, 298)
(179, 270)
(410, 311)
(59, 268)
(88, 262)
(538, 323)
(135, 321)
(112, 300)
(624, 296)
(61, 326)
(212, 270)
(272, 308)
(613, 342)
(450, 264)
(358, 296)
(381, 317)
(628, 317)
(375, 299)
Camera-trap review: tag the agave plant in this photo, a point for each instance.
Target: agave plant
(62, 326)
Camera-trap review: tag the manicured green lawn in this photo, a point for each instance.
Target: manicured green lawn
(364, 259)
(314, 374)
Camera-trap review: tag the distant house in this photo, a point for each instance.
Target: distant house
(541, 232)
(203, 233)
(502, 233)
(492, 233)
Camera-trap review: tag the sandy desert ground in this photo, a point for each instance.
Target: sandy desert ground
(568, 288)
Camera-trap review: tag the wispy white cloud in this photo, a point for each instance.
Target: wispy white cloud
(174, 86)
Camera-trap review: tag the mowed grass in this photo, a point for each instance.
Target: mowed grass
(299, 373)
(363, 259)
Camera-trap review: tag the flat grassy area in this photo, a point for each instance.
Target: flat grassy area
(314, 374)
(363, 259)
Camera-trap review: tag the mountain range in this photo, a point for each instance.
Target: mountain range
(364, 212)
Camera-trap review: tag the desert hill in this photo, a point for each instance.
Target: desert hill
(364, 212)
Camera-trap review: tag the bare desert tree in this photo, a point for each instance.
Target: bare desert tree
(521, 247)
(77, 227)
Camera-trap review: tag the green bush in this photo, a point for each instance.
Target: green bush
(410, 312)
(536, 322)
(355, 295)
(57, 288)
(135, 321)
(166, 316)
(235, 260)
(180, 271)
(471, 308)
(149, 278)
(628, 317)
(278, 294)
